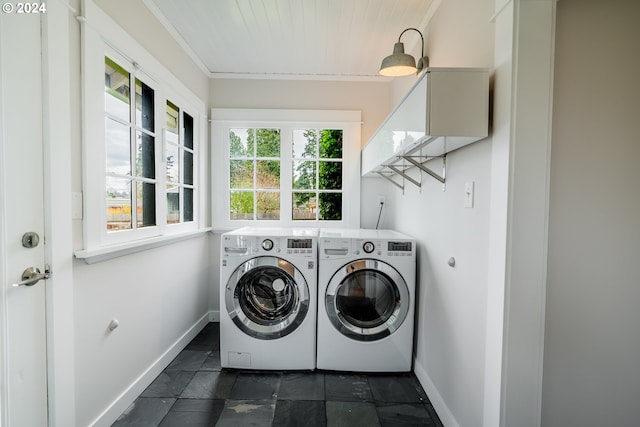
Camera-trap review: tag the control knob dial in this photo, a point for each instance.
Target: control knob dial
(267, 244)
(368, 247)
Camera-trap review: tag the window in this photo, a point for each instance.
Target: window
(282, 167)
(317, 174)
(130, 150)
(142, 136)
(179, 160)
(254, 174)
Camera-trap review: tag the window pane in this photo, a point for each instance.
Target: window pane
(187, 197)
(173, 204)
(118, 203)
(268, 205)
(146, 204)
(331, 144)
(145, 114)
(188, 130)
(187, 168)
(304, 206)
(145, 155)
(239, 143)
(268, 142)
(330, 206)
(241, 205)
(304, 143)
(304, 175)
(330, 175)
(117, 92)
(173, 163)
(268, 174)
(118, 147)
(241, 173)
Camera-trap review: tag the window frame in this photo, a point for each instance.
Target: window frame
(101, 37)
(133, 128)
(223, 119)
(185, 108)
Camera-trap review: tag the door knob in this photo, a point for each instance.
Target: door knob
(32, 275)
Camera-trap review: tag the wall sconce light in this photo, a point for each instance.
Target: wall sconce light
(402, 64)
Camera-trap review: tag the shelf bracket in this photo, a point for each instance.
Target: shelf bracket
(404, 175)
(388, 178)
(422, 167)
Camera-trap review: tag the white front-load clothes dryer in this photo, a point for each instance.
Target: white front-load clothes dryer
(268, 293)
(366, 300)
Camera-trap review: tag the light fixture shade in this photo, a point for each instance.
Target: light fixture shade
(399, 63)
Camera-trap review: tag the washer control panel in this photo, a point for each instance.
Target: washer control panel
(252, 245)
(301, 246)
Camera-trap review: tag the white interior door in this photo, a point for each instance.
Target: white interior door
(23, 318)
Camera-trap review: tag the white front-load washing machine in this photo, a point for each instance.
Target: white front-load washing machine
(268, 293)
(366, 300)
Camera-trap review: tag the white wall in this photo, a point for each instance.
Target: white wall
(592, 346)
(158, 295)
(372, 98)
(451, 304)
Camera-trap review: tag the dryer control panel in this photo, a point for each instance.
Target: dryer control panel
(335, 248)
(384, 248)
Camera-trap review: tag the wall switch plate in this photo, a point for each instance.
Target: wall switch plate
(468, 194)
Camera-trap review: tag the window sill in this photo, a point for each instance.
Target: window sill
(93, 256)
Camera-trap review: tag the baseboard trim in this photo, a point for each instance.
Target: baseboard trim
(214, 316)
(438, 403)
(128, 396)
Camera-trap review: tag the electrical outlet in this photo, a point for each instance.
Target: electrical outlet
(380, 200)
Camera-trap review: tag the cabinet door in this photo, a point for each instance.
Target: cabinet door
(459, 102)
(403, 127)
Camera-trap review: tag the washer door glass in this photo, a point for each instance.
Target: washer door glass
(267, 297)
(367, 300)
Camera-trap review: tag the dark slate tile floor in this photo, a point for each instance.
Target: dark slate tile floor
(194, 391)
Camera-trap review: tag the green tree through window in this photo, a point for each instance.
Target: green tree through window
(254, 174)
(317, 170)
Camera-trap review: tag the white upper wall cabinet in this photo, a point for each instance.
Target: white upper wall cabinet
(446, 109)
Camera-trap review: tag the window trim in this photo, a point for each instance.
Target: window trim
(100, 37)
(224, 118)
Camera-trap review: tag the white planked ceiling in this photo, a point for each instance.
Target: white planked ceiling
(315, 39)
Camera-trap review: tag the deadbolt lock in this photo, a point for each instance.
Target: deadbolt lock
(30, 239)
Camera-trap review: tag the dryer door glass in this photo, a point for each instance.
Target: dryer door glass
(267, 297)
(367, 300)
